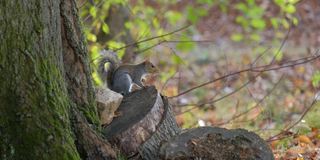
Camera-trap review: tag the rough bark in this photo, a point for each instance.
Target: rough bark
(45, 84)
(93, 146)
(167, 129)
(34, 120)
(76, 62)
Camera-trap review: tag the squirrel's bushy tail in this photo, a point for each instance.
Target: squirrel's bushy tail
(107, 57)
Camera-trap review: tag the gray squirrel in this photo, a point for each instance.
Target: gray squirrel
(125, 78)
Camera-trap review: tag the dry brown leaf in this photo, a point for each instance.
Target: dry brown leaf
(304, 139)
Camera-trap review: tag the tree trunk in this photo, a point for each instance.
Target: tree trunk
(44, 80)
(118, 15)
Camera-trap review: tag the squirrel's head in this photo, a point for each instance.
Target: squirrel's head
(150, 68)
(149, 78)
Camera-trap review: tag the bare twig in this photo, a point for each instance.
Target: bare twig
(261, 55)
(257, 104)
(148, 39)
(152, 38)
(97, 6)
(272, 138)
(165, 83)
(172, 41)
(253, 69)
(216, 100)
(281, 46)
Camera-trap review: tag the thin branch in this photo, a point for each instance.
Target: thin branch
(288, 65)
(257, 104)
(281, 46)
(261, 55)
(295, 123)
(147, 39)
(96, 6)
(152, 38)
(172, 41)
(216, 100)
(165, 83)
(252, 69)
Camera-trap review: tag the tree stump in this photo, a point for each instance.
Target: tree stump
(167, 128)
(216, 143)
(145, 121)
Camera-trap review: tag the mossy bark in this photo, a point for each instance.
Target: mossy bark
(76, 62)
(43, 73)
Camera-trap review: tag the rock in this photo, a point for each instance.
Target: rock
(108, 102)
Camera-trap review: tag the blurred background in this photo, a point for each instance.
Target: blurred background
(198, 41)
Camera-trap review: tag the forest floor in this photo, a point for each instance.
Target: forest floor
(276, 104)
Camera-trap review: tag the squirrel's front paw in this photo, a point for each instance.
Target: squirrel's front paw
(148, 79)
(134, 87)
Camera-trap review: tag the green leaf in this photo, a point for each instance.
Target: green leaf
(290, 9)
(241, 6)
(240, 19)
(176, 59)
(115, 45)
(173, 16)
(316, 79)
(293, 1)
(258, 23)
(94, 49)
(129, 25)
(255, 37)
(237, 37)
(191, 16)
(185, 46)
(202, 12)
(280, 2)
(274, 23)
(207, 2)
(93, 11)
(295, 21)
(278, 54)
(155, 23)
(105, 28)
(285, 23)
(255, 12)
(223, 7)
(91, 37)
(251, 2)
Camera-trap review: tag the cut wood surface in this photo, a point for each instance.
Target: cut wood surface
(216, 143)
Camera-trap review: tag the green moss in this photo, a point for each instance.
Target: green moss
(34, 117)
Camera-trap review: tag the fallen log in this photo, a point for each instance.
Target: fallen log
(216, 143)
